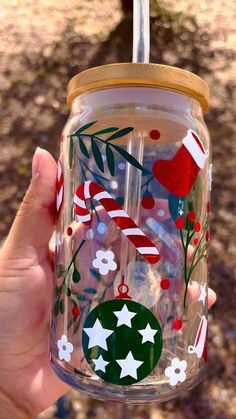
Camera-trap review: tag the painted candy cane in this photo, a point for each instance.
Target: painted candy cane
(127, 226)
(200, 339)
(59, 190)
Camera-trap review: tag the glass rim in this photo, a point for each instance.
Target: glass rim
(139, 74)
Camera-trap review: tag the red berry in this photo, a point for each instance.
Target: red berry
(154, 134)
(179, 223)
(177, 325)
(148, 202)
(75, 311)
(208, 206)
(197, 227)
(69, 231)
(195, 241)
(191, 216)
(165, 283)
(207, 236)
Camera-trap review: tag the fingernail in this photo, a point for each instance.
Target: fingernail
(36, 162)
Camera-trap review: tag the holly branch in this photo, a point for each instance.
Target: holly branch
(62, 272)
(81, 301)
(192, 227)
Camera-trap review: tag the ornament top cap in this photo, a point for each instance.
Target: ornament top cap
(139, 74)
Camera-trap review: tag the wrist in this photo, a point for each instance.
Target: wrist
(10, 408)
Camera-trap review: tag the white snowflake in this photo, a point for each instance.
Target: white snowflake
(65, 348)
(176, 372)
(104, 261)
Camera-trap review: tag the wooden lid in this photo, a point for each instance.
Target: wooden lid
(137, 74)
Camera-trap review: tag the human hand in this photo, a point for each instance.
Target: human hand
(26, 285)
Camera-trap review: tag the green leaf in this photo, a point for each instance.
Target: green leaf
(120, 133)
(60, 269)
(76, 277)
(96, 275)
(189, 225)
(120, 200)
(57, 290)
(130, 159)
(57, 307)
(62, 307)
(68, 292)
(97, 156)
(190, 205)
(71, 321)
(106, 131)
(83, 148)
(83, 298)
(71, 152)
(90, 290)
(84, 127)
(110, 160)
(74, 302)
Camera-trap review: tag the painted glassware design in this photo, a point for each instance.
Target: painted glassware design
(129, 315)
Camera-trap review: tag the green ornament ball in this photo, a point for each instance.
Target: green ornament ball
(122, 341)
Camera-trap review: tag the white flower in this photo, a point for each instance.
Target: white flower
(104, 262)
(65, 348)
(176, 372)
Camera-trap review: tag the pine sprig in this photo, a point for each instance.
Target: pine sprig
(110, 148)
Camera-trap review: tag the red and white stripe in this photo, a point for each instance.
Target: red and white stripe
(59, 190)
(195, 147)
(128, 227)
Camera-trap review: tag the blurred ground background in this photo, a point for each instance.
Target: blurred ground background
(43, 44)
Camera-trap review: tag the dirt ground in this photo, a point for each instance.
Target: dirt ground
(45, 43)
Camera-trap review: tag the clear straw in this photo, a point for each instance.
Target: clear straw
(141, 31)
(135, 142)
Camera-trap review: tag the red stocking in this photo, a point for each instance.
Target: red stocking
(179, 174)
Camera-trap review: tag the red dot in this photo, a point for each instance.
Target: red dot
(197, 227)
(148, 202)
(154, 134)
(195, 241)
(165, 283)
(69, 231)
(177, 325)
(179, 223)
(207, 236)
(208, 206)
(75, 311)
(191, 216)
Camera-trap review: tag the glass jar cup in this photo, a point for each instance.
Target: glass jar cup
(129, 320)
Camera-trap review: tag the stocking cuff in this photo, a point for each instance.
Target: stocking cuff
(195, 147)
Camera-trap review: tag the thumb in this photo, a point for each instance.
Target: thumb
(34, 222)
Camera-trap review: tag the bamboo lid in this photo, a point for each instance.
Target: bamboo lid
(137, 74)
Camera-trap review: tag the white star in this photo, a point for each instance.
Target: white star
(148, 334)
(124, 316)
(100, 364)
(98, 335)
(181, 212)
(203, 294)
(129, 366)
